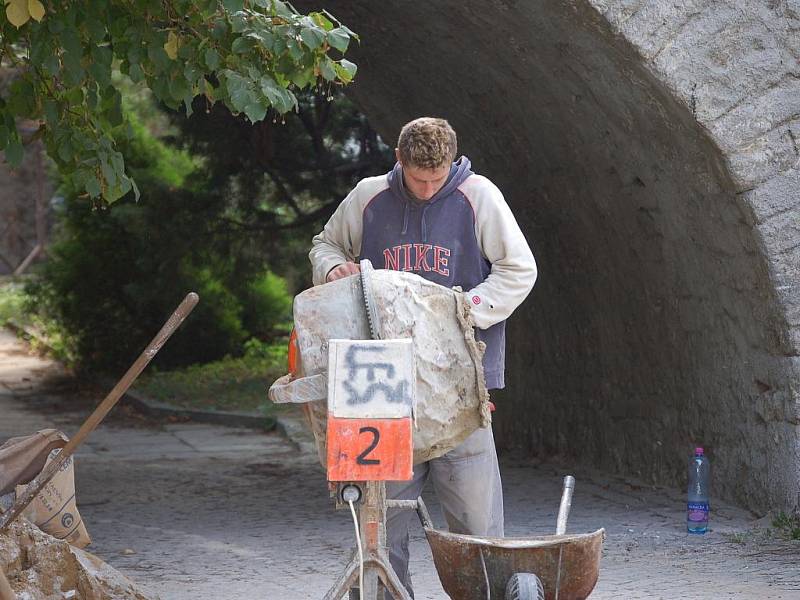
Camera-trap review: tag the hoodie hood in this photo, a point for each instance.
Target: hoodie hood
(459, 172)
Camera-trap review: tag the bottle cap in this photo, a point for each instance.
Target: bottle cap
(698, 451)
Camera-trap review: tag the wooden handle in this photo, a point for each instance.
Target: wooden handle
(41, 480)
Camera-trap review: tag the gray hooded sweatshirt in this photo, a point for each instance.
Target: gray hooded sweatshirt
(465, 236)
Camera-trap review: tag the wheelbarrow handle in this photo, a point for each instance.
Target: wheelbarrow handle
(566, 504)
(418, 505)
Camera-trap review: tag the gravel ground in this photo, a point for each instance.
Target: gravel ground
(201, 511)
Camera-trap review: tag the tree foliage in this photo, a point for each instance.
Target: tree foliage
(249, 55)
(114, 273)
(282, 180)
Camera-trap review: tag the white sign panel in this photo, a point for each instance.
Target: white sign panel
(371, 379)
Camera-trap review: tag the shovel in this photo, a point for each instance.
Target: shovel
(41, 480)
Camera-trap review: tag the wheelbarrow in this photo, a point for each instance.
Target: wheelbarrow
(548, 567)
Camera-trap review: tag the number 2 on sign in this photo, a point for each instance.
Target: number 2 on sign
(369, 449)
(362, 459)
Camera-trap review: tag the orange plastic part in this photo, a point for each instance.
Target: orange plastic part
(369, 449)
(292, 360)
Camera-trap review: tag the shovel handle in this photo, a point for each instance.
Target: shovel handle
(42, 479)
(566, 504)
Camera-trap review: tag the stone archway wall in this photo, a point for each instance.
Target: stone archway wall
(651, 157)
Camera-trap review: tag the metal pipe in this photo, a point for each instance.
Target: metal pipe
(566, 504)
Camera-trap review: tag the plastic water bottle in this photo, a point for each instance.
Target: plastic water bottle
(697, 505)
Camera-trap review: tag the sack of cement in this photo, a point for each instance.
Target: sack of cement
(54, 509)
(451, 395)
(23, 458)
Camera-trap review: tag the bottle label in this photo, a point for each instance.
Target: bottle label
(697, 512)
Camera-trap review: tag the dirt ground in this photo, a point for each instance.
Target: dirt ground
(200, 511)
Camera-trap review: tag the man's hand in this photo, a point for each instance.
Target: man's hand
(343, 270)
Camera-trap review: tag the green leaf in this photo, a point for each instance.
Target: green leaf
(346, 70)
(14, 153)
(239, 90)
(40, 49)
(282, 9)
(51, 65)
(21, 98)
(100, 67)
(241, 45)
(135, 73)
(187, 103)
(158, 55)
(115, 112)
(55, 25)
(280, 98)
(233, 6)
(264, 37)
(108, 172)
(97, 30)
(295, 49)
(255, 111)
(93, 186)
(136, 194)
(74, 96)
(191, 72)
(212, 59)
(178, 88)
(339, 39)
(65, 150)
(70, 41)
(322, 20)
(73, 71)
(313, 37)
(327, 69)
(303, 78)
(238, 22)
(91, 97)
(51, 112)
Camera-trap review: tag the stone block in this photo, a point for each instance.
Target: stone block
(768, 156)
(758, 115)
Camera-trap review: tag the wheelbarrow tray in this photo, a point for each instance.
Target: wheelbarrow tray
(460, 561)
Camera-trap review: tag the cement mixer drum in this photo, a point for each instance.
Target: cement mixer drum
(451, 395)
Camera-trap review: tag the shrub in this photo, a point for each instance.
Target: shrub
(114, 275)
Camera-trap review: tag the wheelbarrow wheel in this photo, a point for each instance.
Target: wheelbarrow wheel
(524, 586)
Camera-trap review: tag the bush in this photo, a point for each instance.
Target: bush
(267, 305)
(12, 301)
(114, 275)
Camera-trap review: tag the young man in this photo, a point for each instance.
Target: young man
(438, 219)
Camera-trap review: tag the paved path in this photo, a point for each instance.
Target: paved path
(196, 511)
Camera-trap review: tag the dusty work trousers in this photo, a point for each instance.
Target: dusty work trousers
(467, 483)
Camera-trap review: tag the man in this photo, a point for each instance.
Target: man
(438, 219)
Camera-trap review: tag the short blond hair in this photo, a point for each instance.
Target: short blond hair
(427, 143)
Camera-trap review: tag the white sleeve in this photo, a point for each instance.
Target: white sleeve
(340, 239)
(503, 244)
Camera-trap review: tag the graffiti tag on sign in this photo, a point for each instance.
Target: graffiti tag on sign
(371, 378)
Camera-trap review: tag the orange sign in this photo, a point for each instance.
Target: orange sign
(369, 449)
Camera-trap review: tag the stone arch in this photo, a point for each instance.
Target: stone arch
(650, 154)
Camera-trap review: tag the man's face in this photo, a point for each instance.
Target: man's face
(424, 183)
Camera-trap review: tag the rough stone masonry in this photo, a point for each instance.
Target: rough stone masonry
(650, 151)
